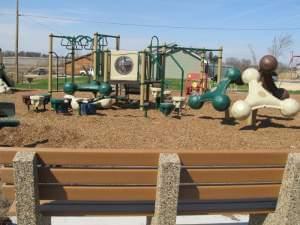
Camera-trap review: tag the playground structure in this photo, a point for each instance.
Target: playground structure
(5, 83)
(145, 72)
(263, 93)
(137, 72)
(97, 86)
(159, 54)
(79, 43)
(294, 66)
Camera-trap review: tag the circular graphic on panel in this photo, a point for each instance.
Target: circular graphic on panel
(124, 65)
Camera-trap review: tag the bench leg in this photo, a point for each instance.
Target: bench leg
(26, 185)
(45, 220)
(148, 220)
(257, 219)
(167, 191)
(288, 205)
(4, 205)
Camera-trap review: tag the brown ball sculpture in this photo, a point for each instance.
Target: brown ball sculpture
(267, 66)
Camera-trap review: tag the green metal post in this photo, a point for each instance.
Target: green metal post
(50, 64)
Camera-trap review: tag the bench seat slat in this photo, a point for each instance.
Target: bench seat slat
(189, 193)
(148, 157)
(149, 176)
(67, 208)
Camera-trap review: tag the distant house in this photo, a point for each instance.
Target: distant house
(81, 63)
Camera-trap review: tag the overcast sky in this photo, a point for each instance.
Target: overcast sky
(72, 17)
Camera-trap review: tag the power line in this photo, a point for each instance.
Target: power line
(66, 19)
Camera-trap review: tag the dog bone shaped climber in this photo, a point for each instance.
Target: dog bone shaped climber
(258, 97)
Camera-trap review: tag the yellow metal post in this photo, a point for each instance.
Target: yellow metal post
(73, 64)
(50, 64)
(142, 81)
(220, 57)
(106, 67)
(202, 62)
(95, 45)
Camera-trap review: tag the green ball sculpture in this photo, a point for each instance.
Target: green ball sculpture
(217, 96)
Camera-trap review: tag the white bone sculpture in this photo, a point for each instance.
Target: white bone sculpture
(258, 97)
(156, 92)
(37, 101)
(105, 103)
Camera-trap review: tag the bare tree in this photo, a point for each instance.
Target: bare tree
(242, 64)
(280, 44)
(253, 55)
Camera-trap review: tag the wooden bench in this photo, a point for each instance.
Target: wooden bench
(136, 182)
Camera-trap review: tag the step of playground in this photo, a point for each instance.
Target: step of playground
(181, 220)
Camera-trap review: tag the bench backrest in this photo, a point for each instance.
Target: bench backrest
(128, 175)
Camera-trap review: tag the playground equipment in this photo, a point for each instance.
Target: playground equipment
(7, 114)
(217, 96)
(138, 72)
(196, 83)
(94, 87)
(99, 86)
(36, 101)
(294, 65)
(60, 105)
(81, 42)
(157, 65)
(263, 93)
(5, 83)
(143, 72)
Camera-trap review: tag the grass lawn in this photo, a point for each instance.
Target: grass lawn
(173, 84)
(42, 83)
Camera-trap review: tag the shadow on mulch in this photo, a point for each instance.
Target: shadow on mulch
(33, 145)
(268, 123)
(230, 121)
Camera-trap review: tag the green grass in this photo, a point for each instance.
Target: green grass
(172, 84)
(42, 83)
(295, 92)
(175, 84)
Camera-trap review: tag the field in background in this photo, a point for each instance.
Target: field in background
(41, 83)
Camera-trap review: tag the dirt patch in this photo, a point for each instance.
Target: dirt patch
(127, 128)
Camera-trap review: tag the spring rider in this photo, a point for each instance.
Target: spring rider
(263, 93)
(217, 96)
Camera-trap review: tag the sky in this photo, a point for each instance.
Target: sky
(196, 23)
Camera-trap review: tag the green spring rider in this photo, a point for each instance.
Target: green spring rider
(217, 96)
(95, 87)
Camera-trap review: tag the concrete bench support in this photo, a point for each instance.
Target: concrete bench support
(167, 190)
(288, 206)
(27, 192)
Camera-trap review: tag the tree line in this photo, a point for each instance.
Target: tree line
(24, 54)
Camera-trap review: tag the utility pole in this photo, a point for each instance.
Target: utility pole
(17, 40)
